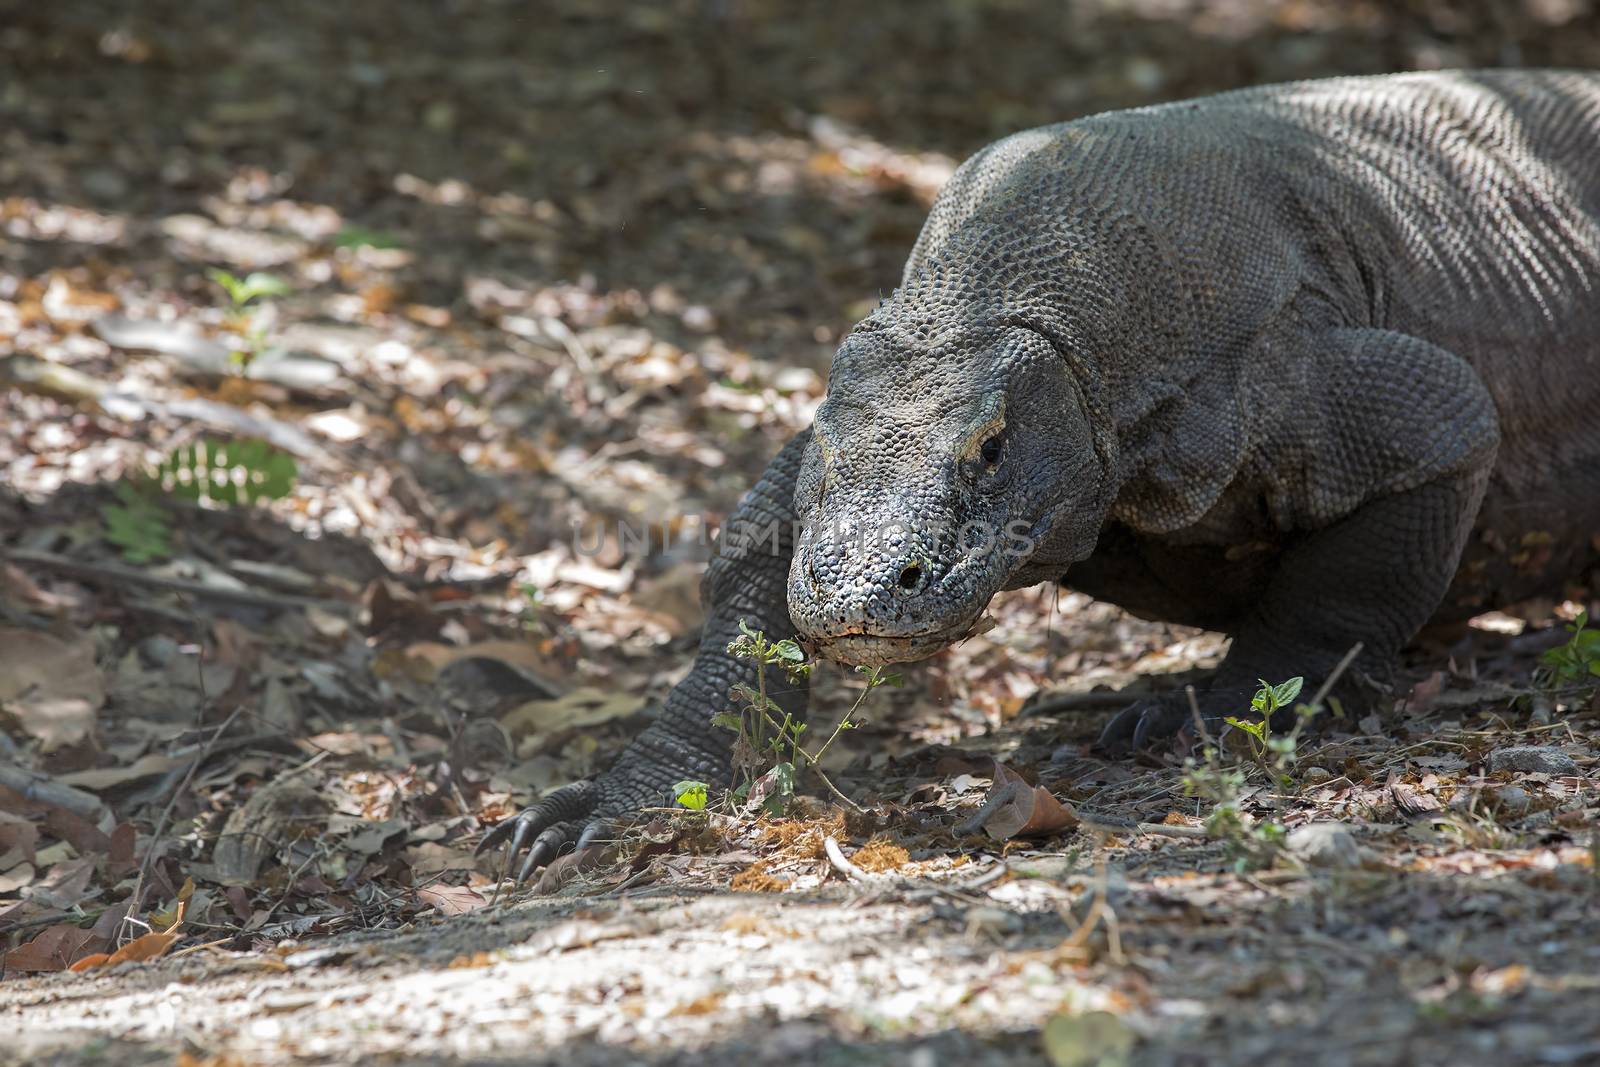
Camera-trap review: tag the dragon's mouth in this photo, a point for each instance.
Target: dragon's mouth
(860, 649)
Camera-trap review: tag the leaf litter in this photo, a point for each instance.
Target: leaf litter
(479, 320)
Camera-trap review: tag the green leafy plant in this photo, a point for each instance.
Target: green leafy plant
(223, 473)
(691, 794)
(227, 472)
(535, 608)
(1575, 663)
(354, 236)
(252, 286)
(244, 319)
(137, 524)
(1252, 843)
(1275, 753)
(768, 751)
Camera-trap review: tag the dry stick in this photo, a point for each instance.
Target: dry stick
(46, 789)
(1344, 665)
(111, 572)
(836, 857)
(1155, 829)
(161, 825)
(811, 761)
(842, 864)
(1199, 720)
(197, 948)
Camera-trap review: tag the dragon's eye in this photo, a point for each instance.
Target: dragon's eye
(991, 450)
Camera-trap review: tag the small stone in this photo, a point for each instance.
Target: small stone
(157, 651)
(106, 186)
(1325, 844)
(1512, 800)
(991, 923)
(1145, 74)
(1531, 759)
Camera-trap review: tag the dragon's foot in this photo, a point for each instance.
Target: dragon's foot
(566, 820)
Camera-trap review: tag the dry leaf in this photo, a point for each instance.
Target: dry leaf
(1014, 808)
(539, 725)
(430, 857)
(96, 960)
(522, 655)
(451, 899)
(148, 947)
(275, 814)
(52, 950)
(51, 686)
(151, 766)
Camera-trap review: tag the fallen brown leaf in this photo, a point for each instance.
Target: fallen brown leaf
(51, 686)
(140, 949)
(1014, 808)
(539, 725)
(451, 899)
(52, 950)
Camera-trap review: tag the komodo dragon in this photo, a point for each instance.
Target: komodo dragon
(1308, 364)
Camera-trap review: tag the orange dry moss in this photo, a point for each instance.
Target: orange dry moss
(755, 879)
(880, 854)
(802, 838)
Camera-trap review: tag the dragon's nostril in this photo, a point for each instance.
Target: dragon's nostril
(911, 577)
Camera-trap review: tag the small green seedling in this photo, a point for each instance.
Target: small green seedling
(768, 750)
(227, 472)
(252, 286)
(1275, 753)
(220, 473)
(1575, 663)
(243, 319)
(1257, 843)
(691, 794)
(137, 524)
(353, 236)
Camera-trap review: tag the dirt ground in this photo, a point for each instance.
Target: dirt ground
(526, 270)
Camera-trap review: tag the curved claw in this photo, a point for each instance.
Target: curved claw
(590, 832)
(1143, 723)
(1118, 736)
(1157, 723)
(543, 829)
(545, 848)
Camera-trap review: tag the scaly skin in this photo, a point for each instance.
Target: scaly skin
(1309, 364)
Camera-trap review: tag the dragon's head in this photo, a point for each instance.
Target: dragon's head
(942, 469)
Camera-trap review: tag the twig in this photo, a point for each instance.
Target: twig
(1333, 676)
(111, 573)
(1100, 911)
(49, 791)
(811, 761)
(1199, 720)
(988, 877)
(836, 857)
(197, 948)
(1156, 829)
(166, 813)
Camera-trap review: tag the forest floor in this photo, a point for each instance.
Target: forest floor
(519, 277)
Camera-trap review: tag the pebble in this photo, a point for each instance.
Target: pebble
(104, 185)
(1512, 800)
(1325, 844)
(158, 650)
(1531, 759)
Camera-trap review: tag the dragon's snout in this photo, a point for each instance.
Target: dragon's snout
(874, 603)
